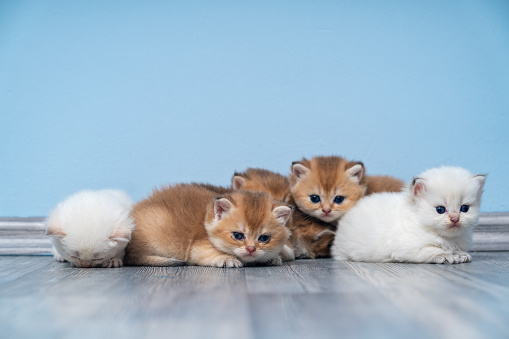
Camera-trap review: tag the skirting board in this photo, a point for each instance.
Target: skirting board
(27, 236)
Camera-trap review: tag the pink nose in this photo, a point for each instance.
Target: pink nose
(250, 249)
(326, 210)
(455, 219)
(85, 264)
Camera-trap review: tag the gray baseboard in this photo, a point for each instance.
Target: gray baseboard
(27, 236)
(23, 236)
(492, 234)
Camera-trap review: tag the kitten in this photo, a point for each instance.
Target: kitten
(430, 222)
(311, 237)
(383, 183)
(91, 228)
(190, 224)
(257, 179)
(327, 187)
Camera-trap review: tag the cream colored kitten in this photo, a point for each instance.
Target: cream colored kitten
(191, 224)
(430, 222)
(91, 228)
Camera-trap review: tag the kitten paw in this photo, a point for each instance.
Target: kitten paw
(113, 262)
(226, 262)
(451, 258)
(56, 254)
(277, 261)
(58, 257)
(463, 257)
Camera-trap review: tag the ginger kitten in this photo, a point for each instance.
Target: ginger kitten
(311, 237)
(383, 183)
(429, 222)
(257, 179)
(326, 187)
(191, 224)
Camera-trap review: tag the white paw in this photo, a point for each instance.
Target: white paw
(287, 254)
(113, 262)
(276, 261)
(56, 254)
(463, 257)
(227, 262)
(451, 258)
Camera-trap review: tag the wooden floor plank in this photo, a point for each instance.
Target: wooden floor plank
(42, 298)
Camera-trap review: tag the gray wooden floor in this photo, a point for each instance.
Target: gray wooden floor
(303, 299)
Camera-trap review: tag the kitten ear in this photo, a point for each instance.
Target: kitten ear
(282, 214)
(418, 187)
(222, 207)
(299, 170)
(121, 235)
(356, 172)
(480, 178)
(55, 231)
(323, 233)
(238, 182)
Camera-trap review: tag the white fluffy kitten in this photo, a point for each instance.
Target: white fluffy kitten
(429, 222)
(91, 228)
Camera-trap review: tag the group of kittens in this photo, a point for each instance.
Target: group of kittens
(326, 207)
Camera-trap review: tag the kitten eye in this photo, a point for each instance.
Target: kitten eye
(440, 209)
(464, 208)
(314, 198)
(238, 236)
(98, 259)
(339, 199)
(264, 238)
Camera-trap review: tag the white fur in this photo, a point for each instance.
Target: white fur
(405, 226)
(91, 228)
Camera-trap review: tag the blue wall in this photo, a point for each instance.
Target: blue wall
(135, 94)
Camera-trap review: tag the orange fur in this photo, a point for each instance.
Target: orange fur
(331, 176)
(311, 237)
(181, 224)
(327, 177)
(383, 183)
(257, 179)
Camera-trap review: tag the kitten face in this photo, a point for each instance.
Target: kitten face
(248, 225)
(88, 257)
(447, 199)
(327, 187)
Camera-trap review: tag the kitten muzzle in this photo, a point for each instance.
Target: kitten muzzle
(85, 264)
(250, 249)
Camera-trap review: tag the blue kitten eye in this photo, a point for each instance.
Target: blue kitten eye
(464, 208)
(264, 238)
(314, 198)
(440, 209)
(238, 236)
(339, 199)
